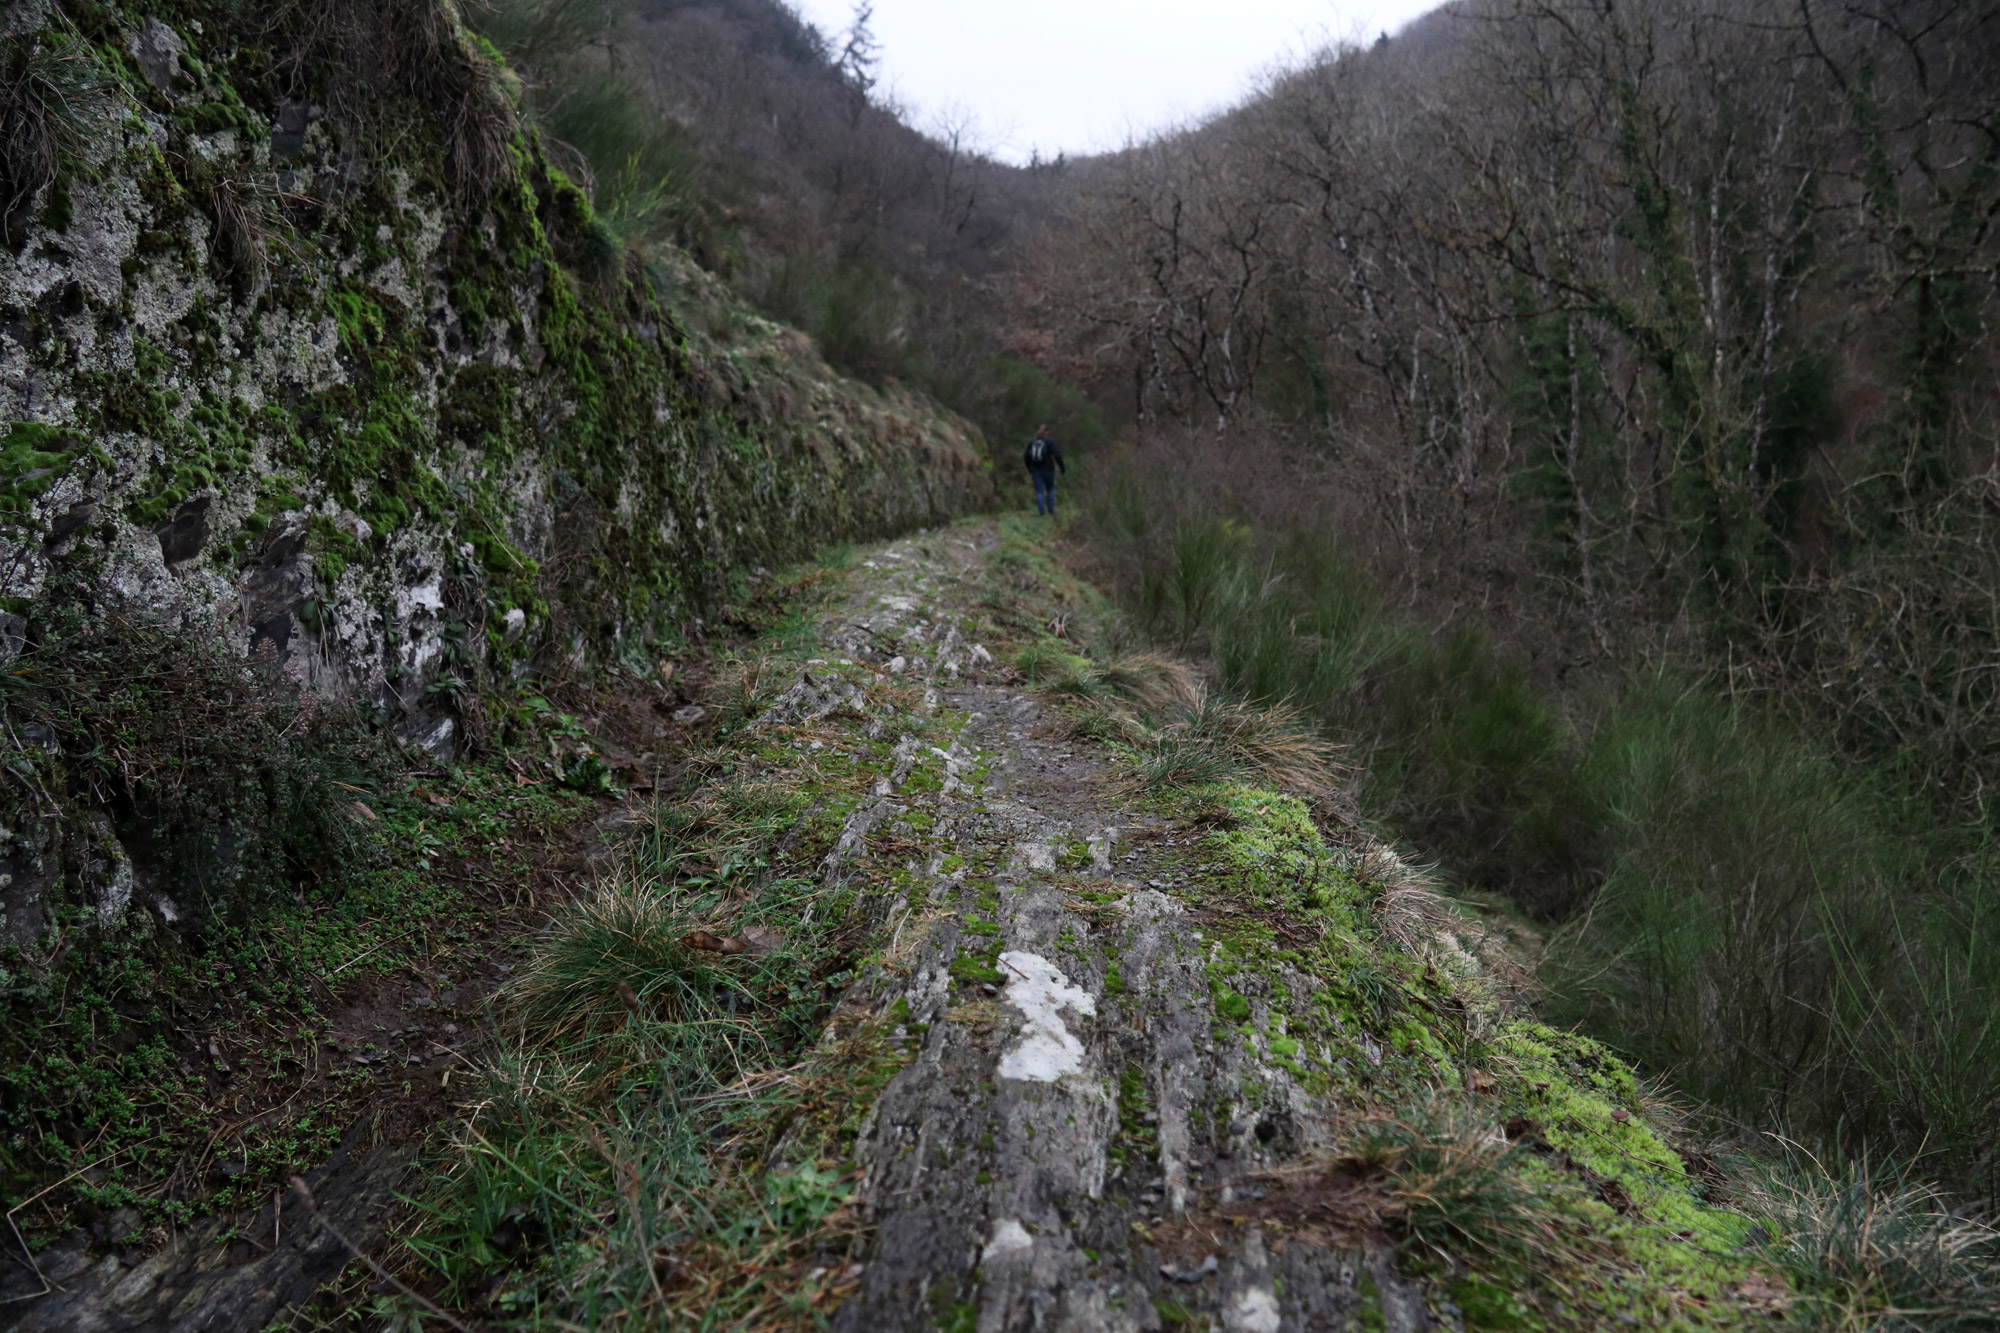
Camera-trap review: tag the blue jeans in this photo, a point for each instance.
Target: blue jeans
(1045, 489)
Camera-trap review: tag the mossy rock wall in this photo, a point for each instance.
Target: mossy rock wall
(317, 355)
(272, 372)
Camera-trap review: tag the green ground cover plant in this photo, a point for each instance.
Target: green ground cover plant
(276, 852)
(666, 1138)
(1532, 1178)
(669, 1101)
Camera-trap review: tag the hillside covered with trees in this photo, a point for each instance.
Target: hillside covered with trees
(1477, 816)
(1648, 351)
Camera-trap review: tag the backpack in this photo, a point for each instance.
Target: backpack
(1038, 451)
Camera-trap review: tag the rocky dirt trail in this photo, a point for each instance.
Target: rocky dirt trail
(1073, 1144)
(1099, 1050)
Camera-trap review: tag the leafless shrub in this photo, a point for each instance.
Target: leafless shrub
(418, 50)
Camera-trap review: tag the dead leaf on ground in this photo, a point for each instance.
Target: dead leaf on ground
(359, 812)
(1762, 1292)
(763, 939)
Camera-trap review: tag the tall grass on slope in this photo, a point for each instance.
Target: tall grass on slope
(1732, 855)
(1765, 932)
(1448, 743)
(1870, 1252)
(640, 169)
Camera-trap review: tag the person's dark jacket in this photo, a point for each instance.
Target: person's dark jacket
(1051, 459)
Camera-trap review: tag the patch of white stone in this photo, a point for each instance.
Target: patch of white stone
(1253, 1311)
(1046, 1049)
(1009, 1238)
(1035, 855)
(954, 768)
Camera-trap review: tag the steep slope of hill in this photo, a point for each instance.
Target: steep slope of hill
(773, 153)
(1630, 353)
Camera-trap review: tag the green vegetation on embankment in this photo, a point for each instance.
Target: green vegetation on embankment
(173, 1060)
(672, 1140)
(1782, 932)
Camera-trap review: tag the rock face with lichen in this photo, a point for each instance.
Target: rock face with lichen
(270, 370)
(307, 350)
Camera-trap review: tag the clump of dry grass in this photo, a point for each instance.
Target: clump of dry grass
(746, 686)
(1186, 732)
(1208, 738)
(1455, 1189)
(1148, 682)
(1414, 915)
(1879, 1252)
(1152, 682)
(1406, 906)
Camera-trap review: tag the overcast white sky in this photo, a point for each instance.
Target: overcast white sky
(1079, 76)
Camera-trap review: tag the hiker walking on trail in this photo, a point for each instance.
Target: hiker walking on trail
(1043, 458)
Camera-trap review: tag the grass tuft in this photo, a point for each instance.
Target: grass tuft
(1457, 1189)
(1869, 1251)
(1209, 738)
(626, 933)
(48, 89)
(746, 686)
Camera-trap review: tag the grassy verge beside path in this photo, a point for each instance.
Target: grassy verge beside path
(702, 1044)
